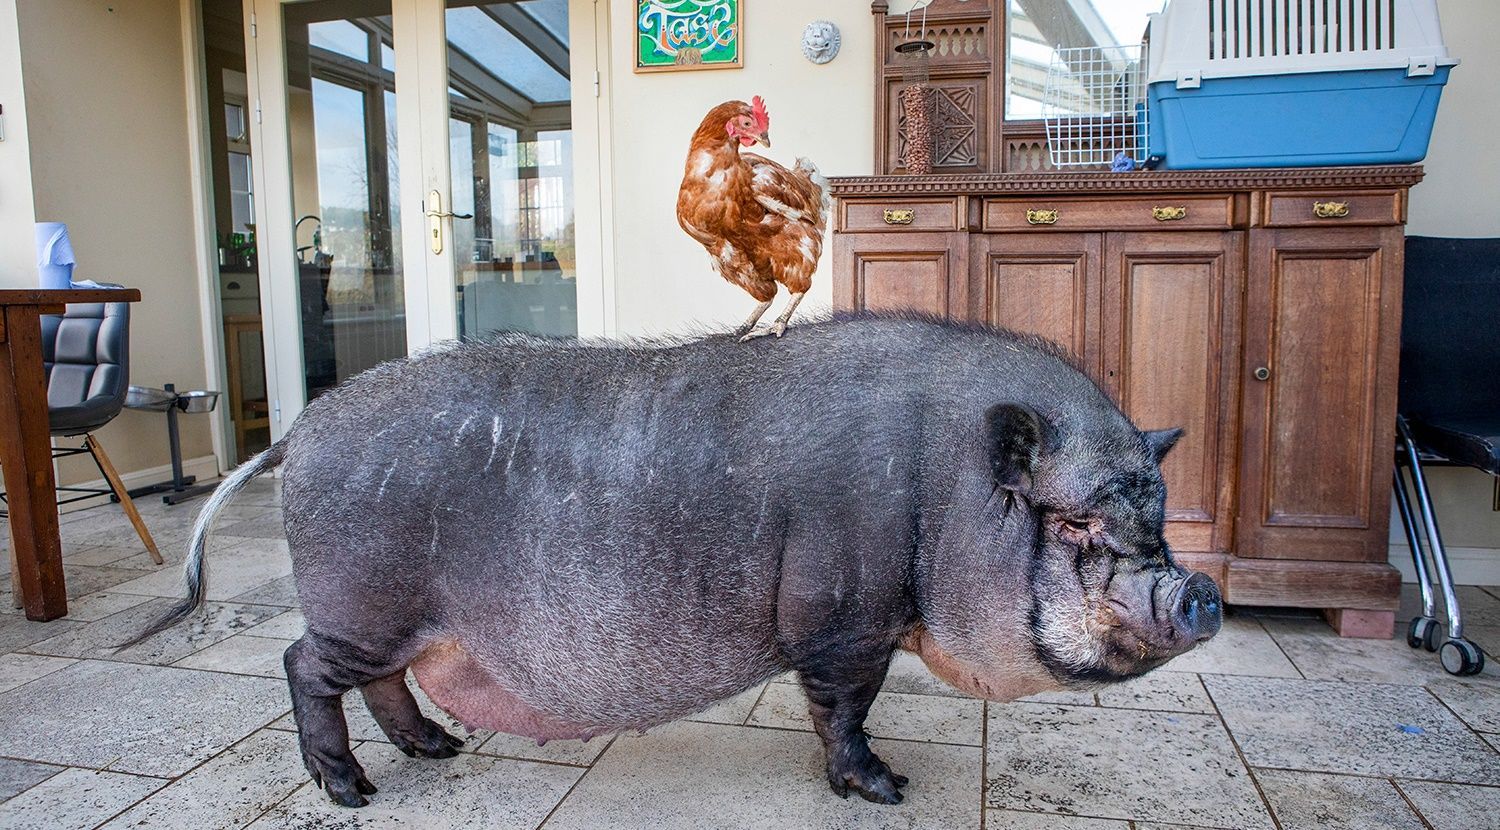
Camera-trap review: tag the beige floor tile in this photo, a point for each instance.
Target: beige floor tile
(1241, 647)
(134, 718)
(241, 654)
(699, 776)
(265, 526)
(576, 753)
(214, 622)
(226, 793)
(1163, 691)
(233, 569)
(280, 592)
(1315, 801)
(75, 799)
(1016, 820)
(894, 715)
(100, 604)
(18, 669)
(1333, 727)
(97, 554)
(1474, 699)
(19, 776)
(469, 792)
(1074, 760)
(1455, 806)
(1323, 655)
(17, 632)
(286, 626)
(735, 710)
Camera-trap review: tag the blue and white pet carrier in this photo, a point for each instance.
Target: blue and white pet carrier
(1271, 83)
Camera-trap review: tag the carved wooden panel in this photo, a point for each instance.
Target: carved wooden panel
(924, 272)
(959, 113)
(1171, 306)
(1046, 285)
(962, 68)
(1318, 342)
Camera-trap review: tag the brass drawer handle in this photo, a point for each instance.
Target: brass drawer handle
(903, 216)
(1041, 217)
(1330, 210)
(1169, 214)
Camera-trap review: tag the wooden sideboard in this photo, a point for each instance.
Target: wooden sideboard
(1259, 309)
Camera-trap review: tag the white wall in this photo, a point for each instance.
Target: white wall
(109, 155)
(663, 280)
(17, 240)
(1461, 197)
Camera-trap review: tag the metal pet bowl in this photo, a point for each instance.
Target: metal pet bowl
(144, 397)
(201, 400)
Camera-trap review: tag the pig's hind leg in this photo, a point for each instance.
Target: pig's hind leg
(840, 687)
(320, 670)
(394, 708)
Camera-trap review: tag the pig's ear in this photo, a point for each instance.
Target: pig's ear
(1018, 436)
(1161, 440)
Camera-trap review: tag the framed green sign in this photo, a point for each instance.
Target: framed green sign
(689, 34)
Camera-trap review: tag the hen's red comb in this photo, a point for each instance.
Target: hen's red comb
(762, 117)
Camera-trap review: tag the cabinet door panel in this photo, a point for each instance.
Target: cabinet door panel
(1323, 318)
(1170, 340)
(925, 272)
(1043, 284)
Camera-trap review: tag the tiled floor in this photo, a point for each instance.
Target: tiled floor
(1276, 724)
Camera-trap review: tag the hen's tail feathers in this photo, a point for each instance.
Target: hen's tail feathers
(193, 570)
(819, 181)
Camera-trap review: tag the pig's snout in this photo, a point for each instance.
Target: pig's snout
(1198, 610)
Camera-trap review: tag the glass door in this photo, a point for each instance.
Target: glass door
(418, 180)
(510, 126)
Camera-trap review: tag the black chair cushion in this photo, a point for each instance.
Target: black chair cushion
(85, 352)
(1474, 441)
(1450, 386)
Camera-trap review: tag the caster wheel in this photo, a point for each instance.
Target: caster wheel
(1423, 633)
(1462, 658)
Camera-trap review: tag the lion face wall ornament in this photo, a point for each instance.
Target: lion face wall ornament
(820, 41)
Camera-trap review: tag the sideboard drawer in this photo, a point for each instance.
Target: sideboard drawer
(899, 215)
(1312, 209)
(1105, 214)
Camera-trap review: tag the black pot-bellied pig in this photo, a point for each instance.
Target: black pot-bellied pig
(567, 539)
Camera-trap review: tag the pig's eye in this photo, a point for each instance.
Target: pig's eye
(1074, 529)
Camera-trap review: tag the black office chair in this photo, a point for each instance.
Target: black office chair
(86, 352)
(1449, 410)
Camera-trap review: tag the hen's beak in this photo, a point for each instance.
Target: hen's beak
(764, 139)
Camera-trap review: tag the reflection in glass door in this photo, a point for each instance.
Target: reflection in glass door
(511, 158)
(341, 116)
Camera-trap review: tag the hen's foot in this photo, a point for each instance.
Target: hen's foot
(777, 328)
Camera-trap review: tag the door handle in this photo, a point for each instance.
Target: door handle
(435, 217)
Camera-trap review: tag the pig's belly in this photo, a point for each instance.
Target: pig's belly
(562, 704)
(464, 689)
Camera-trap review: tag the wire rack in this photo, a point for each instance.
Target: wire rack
(1094, 105)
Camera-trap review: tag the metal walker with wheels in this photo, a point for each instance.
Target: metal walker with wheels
(1458, 655)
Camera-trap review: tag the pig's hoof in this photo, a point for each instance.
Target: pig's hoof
(873, 781)
(343, 780)
(429, 741)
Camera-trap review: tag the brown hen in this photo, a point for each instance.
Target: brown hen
(761, 223)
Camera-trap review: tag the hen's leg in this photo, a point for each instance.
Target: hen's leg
(754, 318)
(777, 328)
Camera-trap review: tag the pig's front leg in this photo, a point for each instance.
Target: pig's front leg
(840, 691)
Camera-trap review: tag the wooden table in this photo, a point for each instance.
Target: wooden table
(26, 442)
